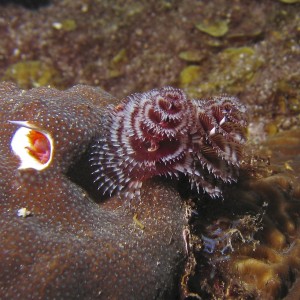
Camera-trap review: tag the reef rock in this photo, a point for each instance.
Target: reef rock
(248, 246)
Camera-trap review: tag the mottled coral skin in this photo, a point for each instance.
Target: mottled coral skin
(70, 247)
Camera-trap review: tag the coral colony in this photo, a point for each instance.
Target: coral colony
(44, 214)
(162, 132)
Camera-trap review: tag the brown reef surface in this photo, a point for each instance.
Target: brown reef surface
(246, 48)
(245, 246)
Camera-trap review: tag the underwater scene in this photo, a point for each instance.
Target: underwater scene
(150, 149)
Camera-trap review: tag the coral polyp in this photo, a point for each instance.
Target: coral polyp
(164, 133)
(32, 145)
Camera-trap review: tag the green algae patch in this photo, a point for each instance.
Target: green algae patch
(120, 57)
(287, 96)
(28, 74)
(213, 42)
(65, 25)
(117, 63)
(237, 66)
(239, 51)
(193, 56)
(189, 75)
(290, 1)
(216, 29)
(271, 128)
(229, 72)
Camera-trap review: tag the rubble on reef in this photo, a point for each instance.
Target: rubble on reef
(249, 245)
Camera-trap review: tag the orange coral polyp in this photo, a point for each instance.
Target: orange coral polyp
(32, 145)
(40, 147)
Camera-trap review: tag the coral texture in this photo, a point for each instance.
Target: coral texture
(162, 132)
(55, 241)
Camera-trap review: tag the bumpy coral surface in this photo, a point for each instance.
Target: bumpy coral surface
(162, 132)
(55, 241)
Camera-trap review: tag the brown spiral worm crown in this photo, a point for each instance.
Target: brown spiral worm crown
(162, 132)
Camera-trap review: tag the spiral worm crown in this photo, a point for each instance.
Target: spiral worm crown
(162, 132)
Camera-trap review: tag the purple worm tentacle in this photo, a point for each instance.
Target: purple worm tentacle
(164, 133)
